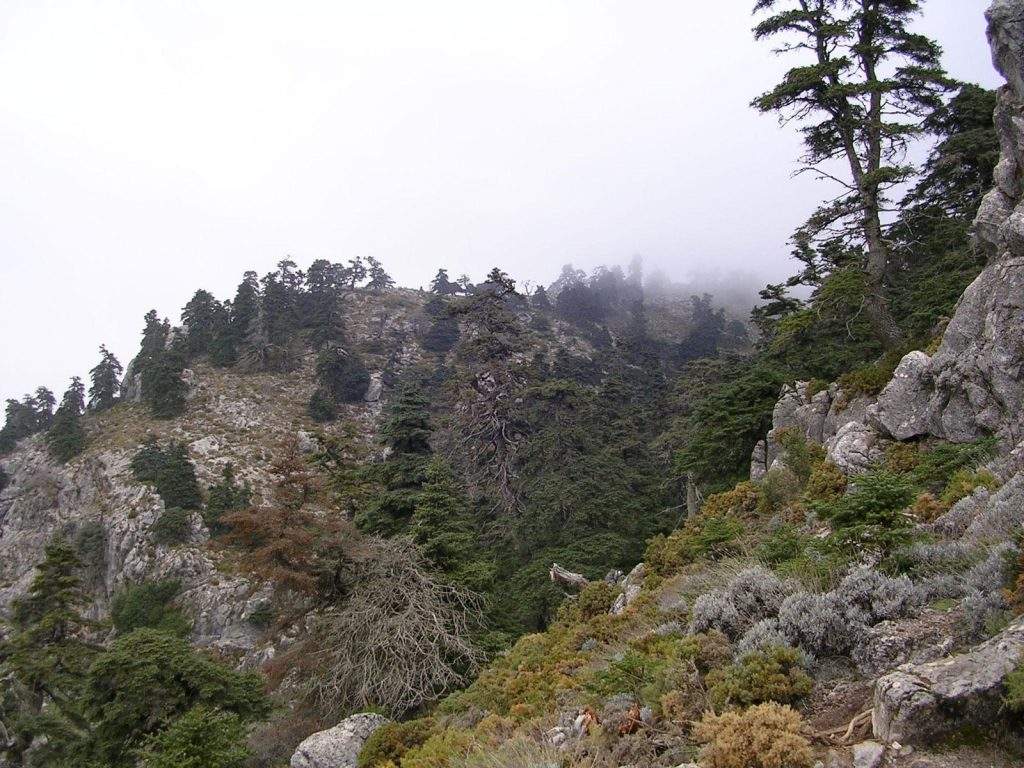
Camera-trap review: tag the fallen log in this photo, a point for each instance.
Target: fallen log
(567, 578)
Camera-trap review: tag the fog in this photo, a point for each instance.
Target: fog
(148, 149)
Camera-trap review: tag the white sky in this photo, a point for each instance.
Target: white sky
(151, 148)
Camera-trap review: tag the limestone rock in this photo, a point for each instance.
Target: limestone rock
(920, 703)
(902, 407)
(855, 447)
(337, 747)
(868, 754)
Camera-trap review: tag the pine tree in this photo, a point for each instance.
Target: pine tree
(66, 437)
(443, 333)
(42, 403)
(321, 406)
(241, 313)
(355, 272)
(322, 311)
(379, 279)
(171, 470)
(540, 300)
(45, 660)
(226, 496)
(106, 381)
(204, 318)
(407, 429)
(342, 374)
(442, 286)
(868, 83)
(443, 528)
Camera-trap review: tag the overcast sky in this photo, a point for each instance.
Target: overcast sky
(148, 149)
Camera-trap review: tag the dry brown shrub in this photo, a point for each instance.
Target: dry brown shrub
(763, 736)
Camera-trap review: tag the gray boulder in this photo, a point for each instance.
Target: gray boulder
(902, 407)
(855, 447)
(337, 747)
(923, 703)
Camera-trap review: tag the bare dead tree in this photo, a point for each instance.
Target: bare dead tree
(400, 639)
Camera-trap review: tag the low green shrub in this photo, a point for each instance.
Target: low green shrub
(148, 604)
(594, 599)
(775, 674)
(964, 482)
(826, 482)
(706, 535)
(869, 380)
(392, 741)
(171, 527)
(1013, 698)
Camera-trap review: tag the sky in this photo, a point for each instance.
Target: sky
(148, 149)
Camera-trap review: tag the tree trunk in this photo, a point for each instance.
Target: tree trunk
(567, 578)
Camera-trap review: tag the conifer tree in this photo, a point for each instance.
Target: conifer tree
(321, 406)
(442, 286)
(380, 280)
(240, 315)
(66, 437)
(443, 333)
(355, 272)
(342, 374)
(44, 661)
(204, 318)
(540, 300)
(106, 381)
(867, 84)
(407, 429)
(42, 402)
(226, 496)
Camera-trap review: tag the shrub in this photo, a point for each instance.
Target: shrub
(440, 750)
(343, 375)
(715, 611)
(816, 624)
(902, 458)
(743, 500)
(783, 543)
(937, 466)
(867, 596)
(779, 489)
(802, 455)
(774, 674)
(927, 508)
(171, 527)
(321, 406)
(871, 515)
(201, 738)
(148, 604)
(392, 741)
(869, 380)
(763, 635)
(1013, 699)
(707, 534)
(984, 614)
(91, 544)
(756, 593)
(594, 599)
(964, 482)
(825, 483)
(763, 736)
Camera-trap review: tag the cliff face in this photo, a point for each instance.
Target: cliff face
(245, 419)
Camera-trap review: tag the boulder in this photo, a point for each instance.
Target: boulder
(923, 703)
(902, 407)
(868, 754)
(337, 747)
(855, 447)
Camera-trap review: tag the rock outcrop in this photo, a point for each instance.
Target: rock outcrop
(922, 703)
(337, 747)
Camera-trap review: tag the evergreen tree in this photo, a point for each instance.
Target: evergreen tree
(66, 438)
(106, 381)
(355, 272)
(171, 471)
(241, 314)
(442, 286)
(443, 333)
(24, 418)
(443, 528)
(342, 374)
(380, 280)
(226, 496)
(42, 403)
(540, 300)
(407, 429)
(323, 313)
(869, 83)
(44, 661)
(205, 320)
(321, 408)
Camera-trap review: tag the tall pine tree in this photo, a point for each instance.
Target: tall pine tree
(106, 381)
(66, 437)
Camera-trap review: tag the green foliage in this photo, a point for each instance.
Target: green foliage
(709, 534)
(226, 496)
(171, 527)
(872, 514)
(148, 604)
(1013, 699)
(802, 455)
(964, 482)
(342, 374)
(407, 429)
(730, 416)
(66, 437)
(393, 740)
(775, 674)
(204, 737)
(936, 467)
(321, 408)
(825, 483)
(595, 599)
(90, 544)
(148, 679)
(106, 381)
(440, 750)
(869, 379)
(171, 471)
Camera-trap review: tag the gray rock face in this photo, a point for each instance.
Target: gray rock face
(97, 492)
(868, 754)
(855, 447)
(337, 747)
(902, 406)
(919, 704)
